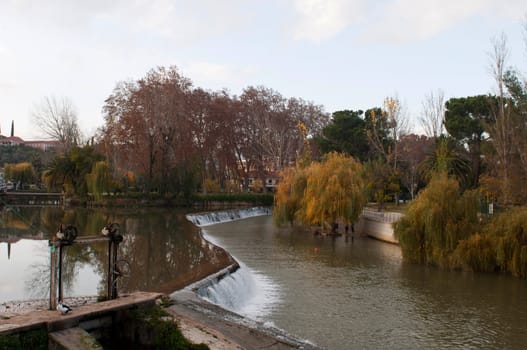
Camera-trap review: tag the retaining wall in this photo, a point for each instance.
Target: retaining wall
(378, 225)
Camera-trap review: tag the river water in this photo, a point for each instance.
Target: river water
(341, 294)
(334, 293)
(164, 251)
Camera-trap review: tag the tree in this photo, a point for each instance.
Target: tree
(436, 221)
(322, 193)
(384, 129)
(445, 157)
(99, 180)
(501, 130)
(517, 91)
(413, 151)
(69, 171)
(20, 173)
(346, 133)
(465, 121)
(160, 123)
(57, 119)
(433, 115)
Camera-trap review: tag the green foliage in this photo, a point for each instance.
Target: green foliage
(436, 221)
(100, 179)
(69, 172)
(345, 134)
(445, 158)
(322, 193)
(466, 120)
(37, 340)
(167, 334)
(465, 117)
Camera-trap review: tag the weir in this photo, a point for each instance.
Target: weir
(211, 218)
(234, 291)
(237, 288)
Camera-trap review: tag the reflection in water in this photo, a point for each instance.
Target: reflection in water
(344, 296)
(164, 250)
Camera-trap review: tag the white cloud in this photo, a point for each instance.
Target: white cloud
(323, 19)
(402, 21)
(181, 20)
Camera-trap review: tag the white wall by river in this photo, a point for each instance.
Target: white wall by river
(378, 225)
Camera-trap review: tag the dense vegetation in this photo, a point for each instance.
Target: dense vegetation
(321, 193)
(443, 227)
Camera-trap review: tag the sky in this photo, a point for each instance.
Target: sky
(342, 54)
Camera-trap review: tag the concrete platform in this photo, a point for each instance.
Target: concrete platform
(53, 321)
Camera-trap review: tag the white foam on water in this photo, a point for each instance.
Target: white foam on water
(245, 292)
(216, 217)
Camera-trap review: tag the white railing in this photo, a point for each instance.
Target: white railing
(381, 216)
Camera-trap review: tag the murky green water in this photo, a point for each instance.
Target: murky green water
(344, 295)
(164, 250)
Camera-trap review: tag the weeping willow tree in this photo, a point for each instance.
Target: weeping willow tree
(100, 179)
(436, 221)
(322, 193)
(289, 194)
(501, 246)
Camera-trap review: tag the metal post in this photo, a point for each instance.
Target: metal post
(53, 277)
(60, 273)
(115, 245)
(110, 271)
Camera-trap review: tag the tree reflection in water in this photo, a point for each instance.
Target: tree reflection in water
(164, 250)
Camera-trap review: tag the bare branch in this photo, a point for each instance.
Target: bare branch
(433, 115)
(57, 119)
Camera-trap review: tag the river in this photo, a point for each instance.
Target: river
(164, 251)
(335, 293)
(341, 294)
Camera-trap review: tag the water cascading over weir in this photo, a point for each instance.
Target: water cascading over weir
(237, 288)
(217, 217)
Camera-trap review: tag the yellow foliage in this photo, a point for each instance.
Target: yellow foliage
(211, 186)
(232, 186)
(257, 186)
(321, 193)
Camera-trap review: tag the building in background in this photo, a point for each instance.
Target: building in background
(13, 140)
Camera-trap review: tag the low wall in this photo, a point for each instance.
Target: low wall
(378, 225)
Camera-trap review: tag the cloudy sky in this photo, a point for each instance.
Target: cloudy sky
(343, 54)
